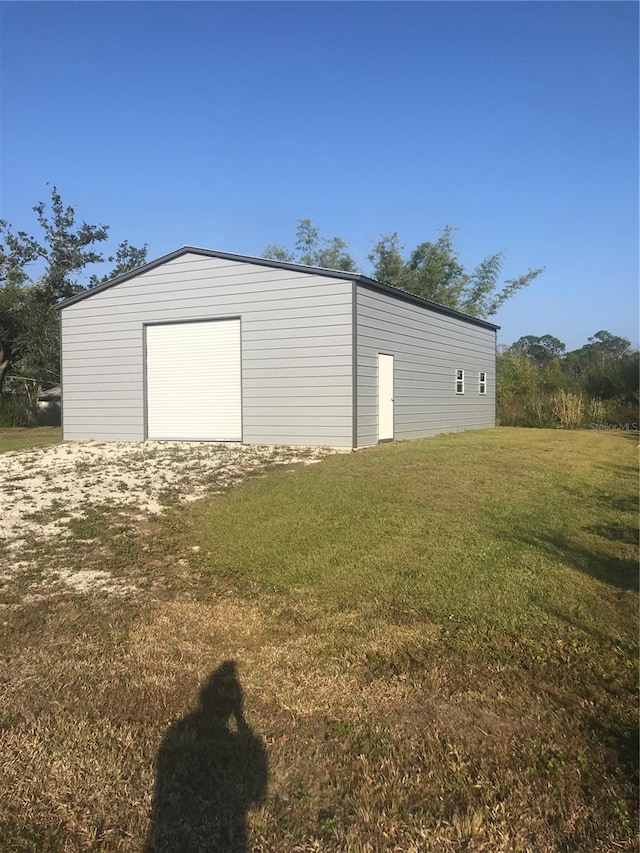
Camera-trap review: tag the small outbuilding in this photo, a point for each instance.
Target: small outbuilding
(202, 345)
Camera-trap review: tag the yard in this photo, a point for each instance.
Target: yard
(16, 438)
(436, 642)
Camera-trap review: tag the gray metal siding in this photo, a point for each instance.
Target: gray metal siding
(296, 349)
(428, 348)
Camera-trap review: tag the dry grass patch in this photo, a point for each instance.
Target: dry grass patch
(422, 757)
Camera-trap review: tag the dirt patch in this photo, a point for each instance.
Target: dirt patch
(46, 493)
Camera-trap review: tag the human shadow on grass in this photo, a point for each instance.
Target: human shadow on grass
(211, 769)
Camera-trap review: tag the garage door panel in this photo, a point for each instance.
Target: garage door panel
(194, 381)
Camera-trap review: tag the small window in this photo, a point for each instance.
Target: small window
(459, 381)
(483, 382)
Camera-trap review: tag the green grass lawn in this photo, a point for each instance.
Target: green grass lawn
(18, 438)
(436, 640)
(514, 529)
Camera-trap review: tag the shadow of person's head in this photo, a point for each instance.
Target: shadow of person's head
(221, 695)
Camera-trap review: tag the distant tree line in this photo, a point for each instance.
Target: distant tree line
(540, 384)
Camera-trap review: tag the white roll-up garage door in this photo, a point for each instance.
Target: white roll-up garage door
(194, 381)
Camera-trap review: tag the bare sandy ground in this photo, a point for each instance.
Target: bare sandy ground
(43, 489)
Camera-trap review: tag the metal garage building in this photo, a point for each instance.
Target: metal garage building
(210, 346)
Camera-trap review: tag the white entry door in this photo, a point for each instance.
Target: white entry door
(193, 381)
(385, 397)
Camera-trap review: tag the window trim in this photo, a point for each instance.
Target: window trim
(482, 383)
(459, 381)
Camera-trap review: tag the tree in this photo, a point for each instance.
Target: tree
(313, 250)
(389, 267)
(541, 350)
(125, 259)
(606, 366)
(28, 323)
(606, 346)
(28, 334)
(67, 248)
(432, 270)
(536, 377)
(16, 252)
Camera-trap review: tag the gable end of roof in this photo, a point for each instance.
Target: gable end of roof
(284, 265)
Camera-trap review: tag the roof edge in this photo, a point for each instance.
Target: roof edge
(285, 265)
(407, 296)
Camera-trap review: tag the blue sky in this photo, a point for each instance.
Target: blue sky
(222, 124)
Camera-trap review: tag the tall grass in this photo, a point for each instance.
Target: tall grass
(551, 395)
(565, 410)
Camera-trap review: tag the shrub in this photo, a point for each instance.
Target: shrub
(568, 409)
(534, 410)
(619, 410)
(596, 411)
(51, 415)
(17, 410)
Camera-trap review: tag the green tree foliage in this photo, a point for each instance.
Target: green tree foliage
(38, 272)
(67, 248)
(606, 366)
(539, 350)
(125, 259)
(29, 337)
(313, 250)
(432, 270)
(538, 379)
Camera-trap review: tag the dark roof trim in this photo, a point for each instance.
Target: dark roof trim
(378, 286)
(283, 265)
